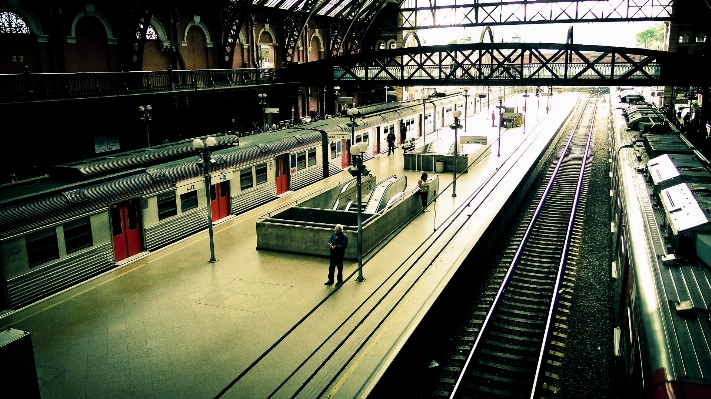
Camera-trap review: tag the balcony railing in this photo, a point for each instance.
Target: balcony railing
(48, 86)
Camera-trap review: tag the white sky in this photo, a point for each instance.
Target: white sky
(619, 34)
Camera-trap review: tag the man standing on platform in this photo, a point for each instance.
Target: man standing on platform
(493, 118)
(338, 244)
(391, 143)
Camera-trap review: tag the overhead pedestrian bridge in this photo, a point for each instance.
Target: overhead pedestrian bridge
(507, 64)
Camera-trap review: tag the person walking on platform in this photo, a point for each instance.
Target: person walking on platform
(424, 190)
(391, 143)
(338, 244)
(493, 118)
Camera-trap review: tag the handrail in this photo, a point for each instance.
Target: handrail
(309, 195)
(46, 86)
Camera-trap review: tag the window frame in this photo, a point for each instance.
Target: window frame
(243, 173)
(84, 237)
(188, 200)
(165, 210)
(46, 240)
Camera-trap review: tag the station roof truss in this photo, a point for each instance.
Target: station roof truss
(425, 14)
(510, 64)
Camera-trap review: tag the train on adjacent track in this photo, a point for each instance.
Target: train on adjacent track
(661, 238)
(87, 217)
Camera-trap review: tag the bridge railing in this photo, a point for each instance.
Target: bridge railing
(45, 86)
(497, 72)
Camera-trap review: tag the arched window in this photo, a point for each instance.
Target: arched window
(12, 23)
(700, 37)
(150, 33)
(684, 38)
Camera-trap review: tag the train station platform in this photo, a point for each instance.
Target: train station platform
(260, 324)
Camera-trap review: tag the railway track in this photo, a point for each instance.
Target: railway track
(502, 350)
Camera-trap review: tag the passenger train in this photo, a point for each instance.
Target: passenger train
(87, 217)
(661, 237)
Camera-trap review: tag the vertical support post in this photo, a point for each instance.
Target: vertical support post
(205, 162)
(206, 172)
(359, 160)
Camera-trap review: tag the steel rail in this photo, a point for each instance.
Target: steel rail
(564, 258)
(517, 256)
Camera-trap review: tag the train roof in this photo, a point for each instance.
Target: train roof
(64, 201)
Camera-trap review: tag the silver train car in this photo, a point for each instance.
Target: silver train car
(661, 237)
(87, 217)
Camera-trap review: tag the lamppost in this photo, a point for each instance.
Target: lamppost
(352, 113)
(466, 103)
(424, 115)
(456, 126)
(357, 151)
(501, 117)
(525, 110)
(263, 103)
(145, 117)
(205, 161)
(538, 96)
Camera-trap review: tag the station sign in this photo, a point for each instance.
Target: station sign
(474, 140)
(339, 136)
(546, 94)
(220, 177)
(345, 100)
(189, 186)
(271, 110)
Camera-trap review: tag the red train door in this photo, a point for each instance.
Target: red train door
(282, 174)
(126, 228)
(376, 142)
(346, 154)
(220, 202)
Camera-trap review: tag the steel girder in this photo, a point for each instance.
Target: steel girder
(508, 64)
(141, 14)
(232, 18)
(424, 14)
(338, 31)
(294, 25)
(374, 22)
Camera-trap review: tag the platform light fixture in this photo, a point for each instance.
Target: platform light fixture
(263, 103)
(352, 114)
(538, 96)
(359, 170)
(146, 117)
(501, 118)
(455, 126)
(525, 110)
(466, 104)
(205, 161)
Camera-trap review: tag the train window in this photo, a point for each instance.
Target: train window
(167, 206)
(334, 152)
(365, 137)
(189, 200)
(312, 157)
(116, 228)
(42, 247)
(245, 179)
(261, 173)
(300, 160)
(132, 216)
(77, 235)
